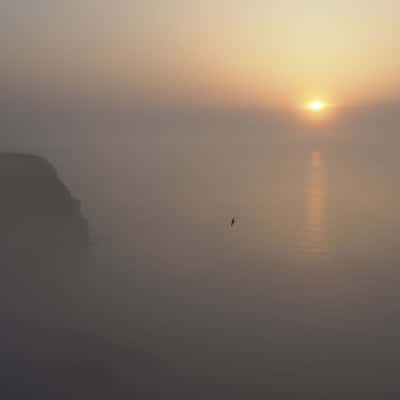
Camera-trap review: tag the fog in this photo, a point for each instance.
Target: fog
(300, 297)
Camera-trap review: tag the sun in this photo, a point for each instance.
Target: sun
(316, 106)
(317, 111)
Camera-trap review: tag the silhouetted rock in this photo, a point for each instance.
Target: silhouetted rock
(40, 220)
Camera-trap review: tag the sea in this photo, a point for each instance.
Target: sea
(299, 297)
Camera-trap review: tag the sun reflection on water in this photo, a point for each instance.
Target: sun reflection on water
(314, 236)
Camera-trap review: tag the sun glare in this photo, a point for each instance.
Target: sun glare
(316, 106)
(317, 111)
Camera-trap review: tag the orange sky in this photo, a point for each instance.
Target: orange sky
(250, 53)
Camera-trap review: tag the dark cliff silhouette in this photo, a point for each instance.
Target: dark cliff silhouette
(44, 242)
(40, 220)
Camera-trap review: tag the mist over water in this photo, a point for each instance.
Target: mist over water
(303, 288)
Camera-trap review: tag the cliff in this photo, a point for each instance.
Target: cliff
(40, 220)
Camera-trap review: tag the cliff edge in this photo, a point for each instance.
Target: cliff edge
(40, 219)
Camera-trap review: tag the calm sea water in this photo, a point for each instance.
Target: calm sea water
(305, 287)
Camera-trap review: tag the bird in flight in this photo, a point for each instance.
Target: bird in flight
(233, 221)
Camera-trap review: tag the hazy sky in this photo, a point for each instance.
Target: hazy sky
(253, 52)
